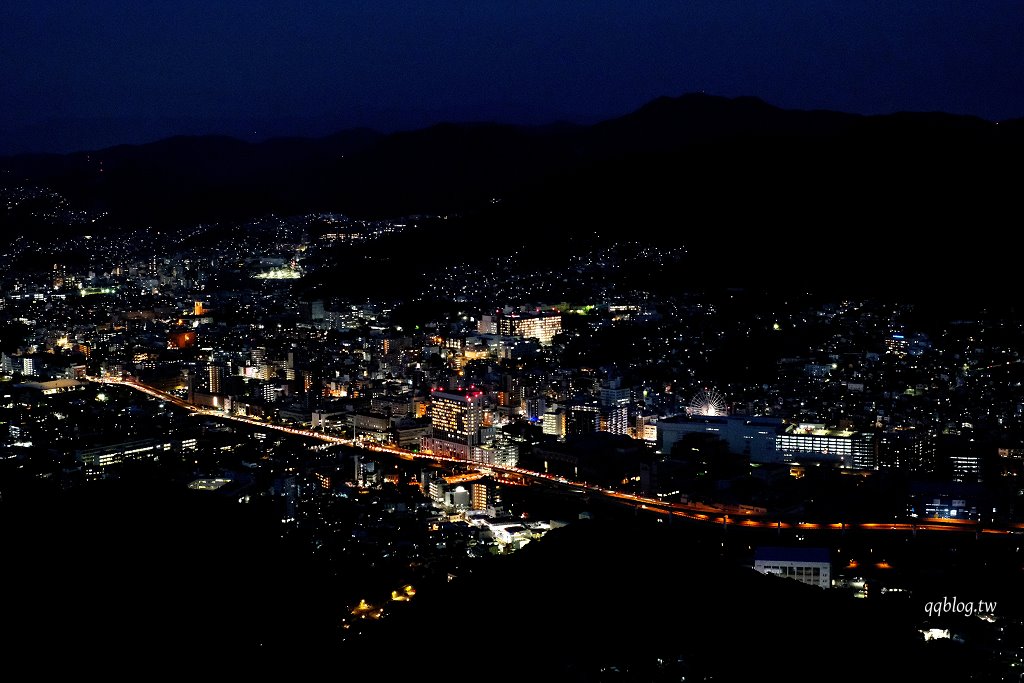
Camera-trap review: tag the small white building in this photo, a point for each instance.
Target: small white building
(807, 565)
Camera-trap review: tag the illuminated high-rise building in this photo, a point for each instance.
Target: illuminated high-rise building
(216, 378)
(484, 495)
(554, 423)
(500, 450)
(456, 416)
(959, 458)
(614, 419)
(614, 405)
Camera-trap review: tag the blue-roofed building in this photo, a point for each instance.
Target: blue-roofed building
(807, 565)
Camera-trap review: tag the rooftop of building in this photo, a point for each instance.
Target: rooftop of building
(784, 554)
(818, 430)
(208, 484)
(461, 392)
(537, 313)
(755, 420)
(52, 384)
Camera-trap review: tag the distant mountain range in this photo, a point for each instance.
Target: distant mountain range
(456, 167)
(818, 192)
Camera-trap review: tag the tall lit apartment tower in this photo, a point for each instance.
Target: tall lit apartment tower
(60, 272)
(456, 416)
(614, 419)
(541, 325)
(484, 495)
(216, 378)
(614, 403)
(554, 423)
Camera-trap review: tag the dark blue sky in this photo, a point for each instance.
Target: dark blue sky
(91, 73)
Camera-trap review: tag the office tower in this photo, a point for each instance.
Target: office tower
(456, 416)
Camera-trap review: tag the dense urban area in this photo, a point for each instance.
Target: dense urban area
(865, 446)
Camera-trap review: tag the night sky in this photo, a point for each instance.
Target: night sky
(82, 75)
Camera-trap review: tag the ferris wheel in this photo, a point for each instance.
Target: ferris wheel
(707, 402)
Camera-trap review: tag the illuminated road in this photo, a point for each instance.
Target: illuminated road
(717, 514)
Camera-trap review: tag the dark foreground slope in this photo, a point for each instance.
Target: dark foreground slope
(141, 578)
(138, 578)
(607, 601)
